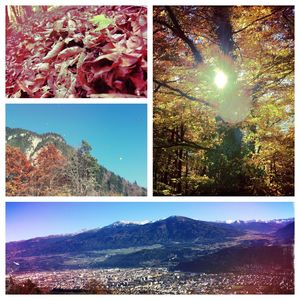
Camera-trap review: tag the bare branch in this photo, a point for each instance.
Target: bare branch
(181, 93)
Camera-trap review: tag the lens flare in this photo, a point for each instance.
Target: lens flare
(220, 79)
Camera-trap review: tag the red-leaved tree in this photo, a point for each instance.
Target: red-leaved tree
(18, 172)
(48, 174)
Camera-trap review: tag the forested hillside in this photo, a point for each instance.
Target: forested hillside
(223, 100)
(45, 165)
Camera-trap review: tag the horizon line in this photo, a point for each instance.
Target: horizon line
(127, 222)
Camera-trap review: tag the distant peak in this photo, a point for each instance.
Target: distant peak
(278, 221)
(125, 222)
(177, 217)
(229, 221)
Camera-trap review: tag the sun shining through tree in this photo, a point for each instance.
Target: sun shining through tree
(221, 79)
(223, 100)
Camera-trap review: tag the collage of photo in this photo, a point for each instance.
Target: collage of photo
(125, 178)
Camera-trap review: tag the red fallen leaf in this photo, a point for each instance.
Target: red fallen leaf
(102, 59)
(108, 48)
(73, 61)
(78, 37)
(138, 79)
(46, 95)
(91, 41)
(81, 59)
(139, 26)
(117, 37)
(128, 60)
(38, 82)
(42, 67)
(64, 54)
(144, 65)
(108, 78)
(134, 42)
(118, 85)
(58, 25)
(82, 79)
(71, 26)
(122, 73)
(91, 70)
(121, 21)
(54, 51)
(24, 88)
(31, 87)
(102, 70)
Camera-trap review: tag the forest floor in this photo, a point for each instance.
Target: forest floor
(78, 51)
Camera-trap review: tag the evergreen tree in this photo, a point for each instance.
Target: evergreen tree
(82, 170)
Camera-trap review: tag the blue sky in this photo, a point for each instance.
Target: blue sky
(116, 132)
(25, 220)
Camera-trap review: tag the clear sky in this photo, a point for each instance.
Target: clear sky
(116, 132)
(25, 220)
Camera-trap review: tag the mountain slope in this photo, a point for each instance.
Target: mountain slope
(261, 226)
(30, 143)
(167, 231)
(175, 242)
(286, 234)
(171, 230)
(234, 258)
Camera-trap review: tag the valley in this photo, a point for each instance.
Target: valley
(159, 281)
(226, 259)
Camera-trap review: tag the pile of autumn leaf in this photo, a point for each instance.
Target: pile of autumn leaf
(78, 51)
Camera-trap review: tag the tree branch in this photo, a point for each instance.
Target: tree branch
(257, 20)
(180, 92)
(179, 32)
(183, 144)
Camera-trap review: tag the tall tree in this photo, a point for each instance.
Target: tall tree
(48, 177)
(221, 139)
(18, 172)
(82, 171)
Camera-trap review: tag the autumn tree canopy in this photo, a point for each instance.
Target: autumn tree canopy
(48, 175)
(223, 100)
(49, 172)
(44, 176)
(18, 172)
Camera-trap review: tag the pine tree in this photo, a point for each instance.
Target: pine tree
(82, 170)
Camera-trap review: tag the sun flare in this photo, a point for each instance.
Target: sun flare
(221, 79)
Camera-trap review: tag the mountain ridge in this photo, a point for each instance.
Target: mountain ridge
(171, 242)
(123, 223)
(262, 226)
(163, 229)
(30, 142)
